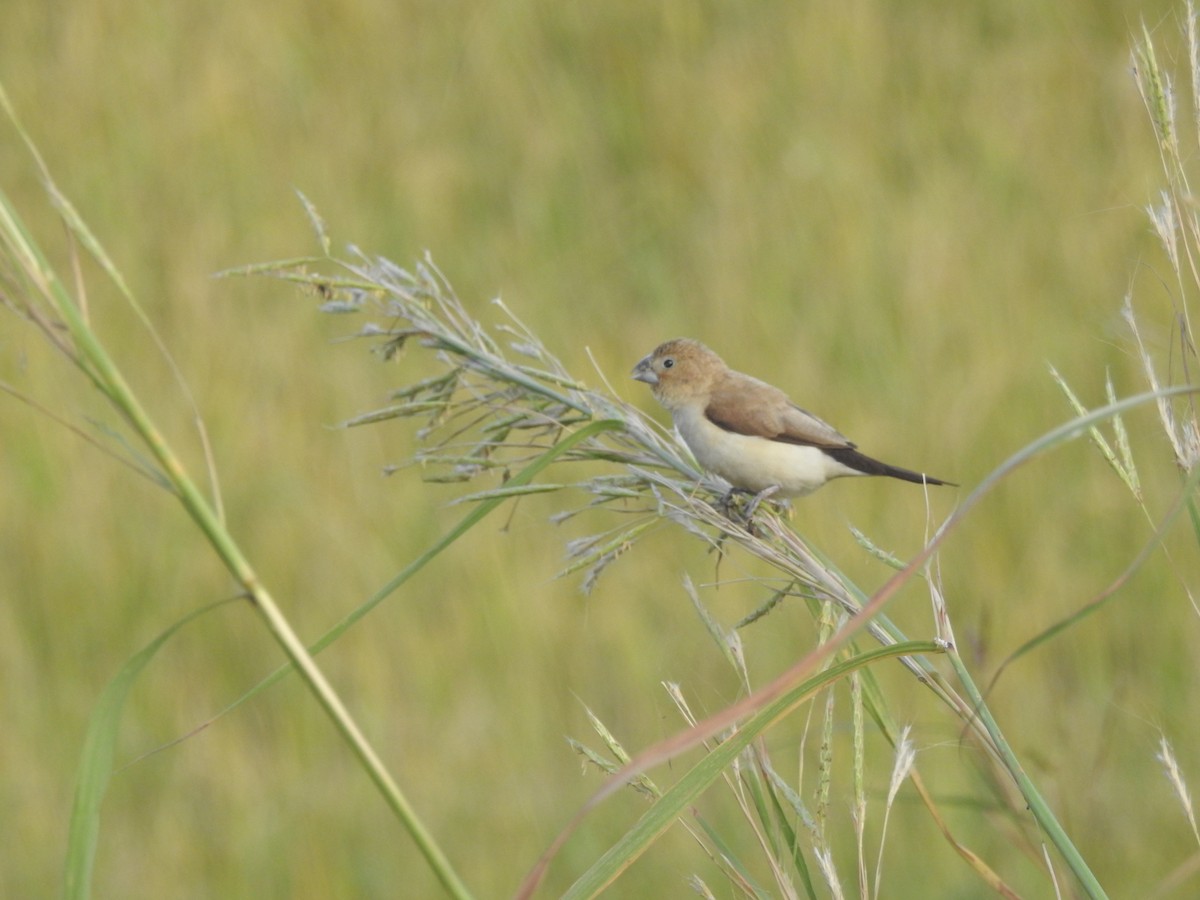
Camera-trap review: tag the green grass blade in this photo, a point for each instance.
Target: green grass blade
(740, 874)
(687, 790)
(96, 762)
(1184, 500)
(469, 521)
(1033, 797)
(83, 345)
(525, 476)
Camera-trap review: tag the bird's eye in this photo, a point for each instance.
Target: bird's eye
(668, 362)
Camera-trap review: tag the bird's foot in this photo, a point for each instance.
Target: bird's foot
(725, 504)
(746, 517)
(752, 506)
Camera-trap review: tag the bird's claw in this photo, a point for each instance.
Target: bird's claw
(747, 516)
(758, 498)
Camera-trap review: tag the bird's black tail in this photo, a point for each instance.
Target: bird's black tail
(848, 456)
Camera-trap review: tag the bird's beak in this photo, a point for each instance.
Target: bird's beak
(643, 372)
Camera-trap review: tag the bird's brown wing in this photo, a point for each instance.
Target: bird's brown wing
(746, 405)
(802, 427)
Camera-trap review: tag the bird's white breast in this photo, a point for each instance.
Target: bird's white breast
(756, 463)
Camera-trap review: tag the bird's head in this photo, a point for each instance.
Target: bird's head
(679, 372)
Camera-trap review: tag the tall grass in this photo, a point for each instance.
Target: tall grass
(486, 413)
(499, 399)
(820, 757)
(38, 295)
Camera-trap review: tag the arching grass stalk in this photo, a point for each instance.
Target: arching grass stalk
(34, 290)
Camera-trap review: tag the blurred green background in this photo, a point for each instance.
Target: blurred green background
(898, 211)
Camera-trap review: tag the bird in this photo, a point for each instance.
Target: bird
(749, 432)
